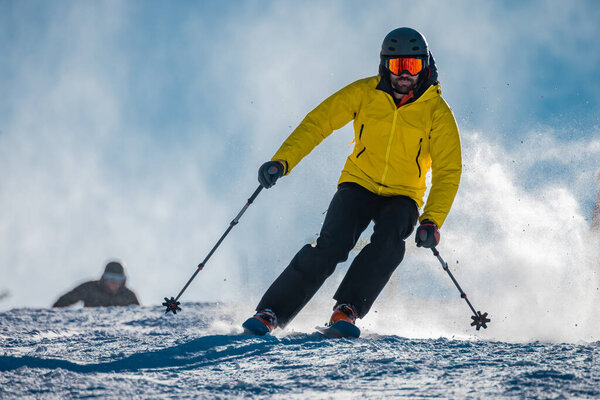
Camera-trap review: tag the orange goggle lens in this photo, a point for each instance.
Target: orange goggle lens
(412, 65)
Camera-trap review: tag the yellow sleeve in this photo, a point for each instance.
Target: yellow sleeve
(332, 114)
(446, 165)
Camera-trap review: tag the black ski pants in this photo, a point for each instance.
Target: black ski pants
(350, 212)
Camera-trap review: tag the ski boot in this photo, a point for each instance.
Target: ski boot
(341, 323)
(262, 323)
(343, 312)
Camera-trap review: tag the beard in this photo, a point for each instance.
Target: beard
(402, 86)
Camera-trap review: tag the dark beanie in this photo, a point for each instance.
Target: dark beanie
(114, 267)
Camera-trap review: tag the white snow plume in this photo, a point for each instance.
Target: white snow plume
(524, 256)
(81, 185)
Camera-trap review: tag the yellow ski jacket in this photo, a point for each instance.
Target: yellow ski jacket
(393, 147)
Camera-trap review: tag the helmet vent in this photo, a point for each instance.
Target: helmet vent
(413, 40)
(395, 41)
(416, 48)
(391, 48)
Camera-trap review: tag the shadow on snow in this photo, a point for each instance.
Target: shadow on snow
(203, 351)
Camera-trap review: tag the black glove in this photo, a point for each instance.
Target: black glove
(269, 172)
(427, 235)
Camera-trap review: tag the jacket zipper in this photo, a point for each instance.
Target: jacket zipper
(387, 153)
(418, 154)
(362, 126)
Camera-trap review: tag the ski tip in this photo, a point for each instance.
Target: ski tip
(340, 329)
(253, 326)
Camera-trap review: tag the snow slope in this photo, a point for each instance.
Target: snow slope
(138, 352)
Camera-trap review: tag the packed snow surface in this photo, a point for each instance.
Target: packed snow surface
(138, 352)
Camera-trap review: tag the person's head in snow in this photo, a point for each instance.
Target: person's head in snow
(113, 277)
(402, 129)
(109, 291)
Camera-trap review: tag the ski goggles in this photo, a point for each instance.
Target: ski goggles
(111, 276)
(400, 64)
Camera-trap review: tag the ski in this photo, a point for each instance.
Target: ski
(253, 326)
(340, 329)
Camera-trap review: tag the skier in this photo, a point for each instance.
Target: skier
(109, 291)
(402, 127)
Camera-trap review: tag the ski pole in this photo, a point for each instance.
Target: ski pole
(479, 320)
(172, 304)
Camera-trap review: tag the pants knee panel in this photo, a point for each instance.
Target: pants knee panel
(318, 262)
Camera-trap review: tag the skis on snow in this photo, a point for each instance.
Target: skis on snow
(253, 326)
(340, 329)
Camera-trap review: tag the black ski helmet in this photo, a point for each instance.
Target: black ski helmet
(405, 42)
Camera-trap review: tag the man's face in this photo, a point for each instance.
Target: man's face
(402, 84)
(112, 286)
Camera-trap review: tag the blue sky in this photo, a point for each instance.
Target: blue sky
(134, 130)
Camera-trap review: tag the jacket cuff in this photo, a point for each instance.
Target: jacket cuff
(284, 164)
(424, 219)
